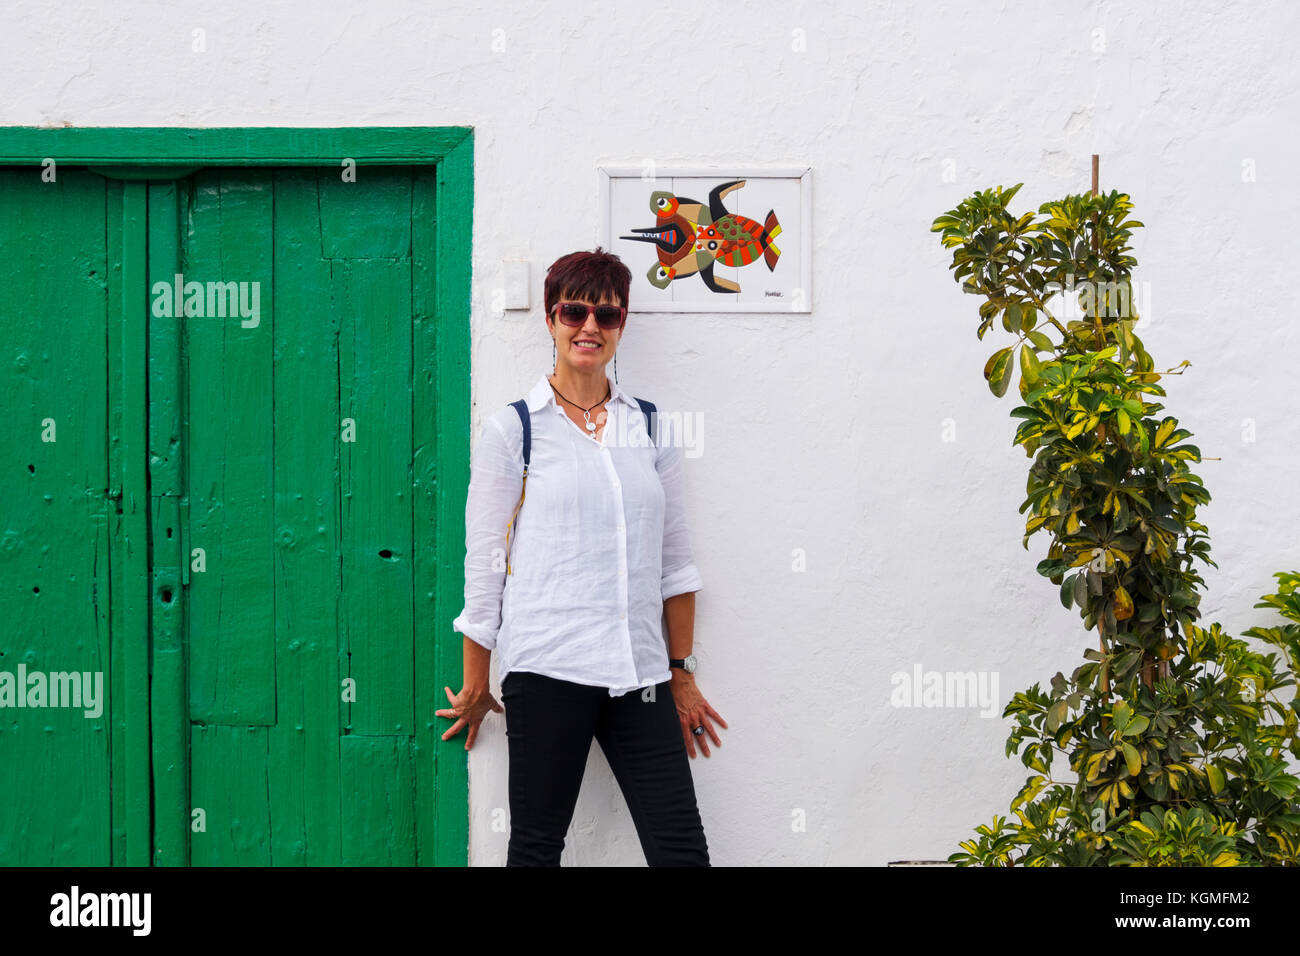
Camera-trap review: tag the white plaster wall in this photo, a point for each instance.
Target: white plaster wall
(822, 431)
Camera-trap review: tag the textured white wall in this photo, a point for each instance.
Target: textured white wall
(822, 431)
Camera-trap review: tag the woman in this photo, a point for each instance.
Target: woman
(575, 597)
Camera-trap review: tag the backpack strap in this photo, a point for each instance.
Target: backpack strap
(649, 411)
(521, 407)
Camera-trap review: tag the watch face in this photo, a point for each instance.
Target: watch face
(691, 663)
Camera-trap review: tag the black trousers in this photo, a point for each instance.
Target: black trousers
(550, 724)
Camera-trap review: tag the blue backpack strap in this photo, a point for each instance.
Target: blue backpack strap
(521, 407)
(649, 411)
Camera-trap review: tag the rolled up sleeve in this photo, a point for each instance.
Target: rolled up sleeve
(679, 571)
(496, 476)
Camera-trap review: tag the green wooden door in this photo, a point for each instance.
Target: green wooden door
(255, 352)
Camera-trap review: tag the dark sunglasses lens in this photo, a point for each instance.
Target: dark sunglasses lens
(608, 316)
(573, 314)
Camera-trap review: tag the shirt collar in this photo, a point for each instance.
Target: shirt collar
(542, 393)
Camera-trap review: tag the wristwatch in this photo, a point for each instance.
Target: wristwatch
(688, 664)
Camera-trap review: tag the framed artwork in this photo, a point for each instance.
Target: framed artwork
(711, 239)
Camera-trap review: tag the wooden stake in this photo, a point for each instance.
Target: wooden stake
(1147, 662)
(1096, 245)
(1096, 189)
(1101, 632)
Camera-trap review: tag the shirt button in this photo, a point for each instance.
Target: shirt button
(622, 617)
(616, 484)
(622, 571)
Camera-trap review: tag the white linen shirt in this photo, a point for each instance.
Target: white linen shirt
(599, 544)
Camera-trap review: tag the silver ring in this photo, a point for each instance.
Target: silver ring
(698, 730)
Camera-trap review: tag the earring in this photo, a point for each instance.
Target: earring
(554, 357)
(615, 368)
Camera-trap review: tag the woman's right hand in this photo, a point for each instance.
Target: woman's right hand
(470, 706)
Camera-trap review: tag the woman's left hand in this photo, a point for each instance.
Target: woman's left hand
(694, 711)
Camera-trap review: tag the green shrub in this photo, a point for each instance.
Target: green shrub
(1177, 736)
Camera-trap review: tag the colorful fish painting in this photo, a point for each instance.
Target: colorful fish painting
(690, 237)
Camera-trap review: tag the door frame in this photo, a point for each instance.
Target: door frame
(442, 347)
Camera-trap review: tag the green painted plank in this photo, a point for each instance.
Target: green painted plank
(369, 218)
(373, 298)
(165, 227)
(229, 454)
(304, 768)
(168, 716)
(54, 805)
(378, 801)
(451, 310)
(169, 720)
(229, 785)
(436, 769)
(135, 523)
(251, 146)
(424, 503)
(115, 678)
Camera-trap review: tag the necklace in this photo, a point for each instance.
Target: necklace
(586, 412)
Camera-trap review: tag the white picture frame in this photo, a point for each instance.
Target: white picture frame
(786, 191)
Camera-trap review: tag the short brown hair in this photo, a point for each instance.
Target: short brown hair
(587, 275)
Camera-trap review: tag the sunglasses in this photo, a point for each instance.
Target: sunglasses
(574, 314)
